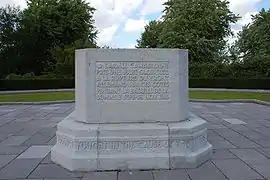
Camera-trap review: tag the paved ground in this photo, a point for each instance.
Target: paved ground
(239, 133)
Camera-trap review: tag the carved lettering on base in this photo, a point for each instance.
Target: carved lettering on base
(130, 145)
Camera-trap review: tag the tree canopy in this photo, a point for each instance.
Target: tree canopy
(254, 39)
(34, 36)
(199, 26)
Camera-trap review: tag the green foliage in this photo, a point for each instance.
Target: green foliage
(35, 84)
(150, 36)
(10, 22)
(30, 37)
(254, 39)
(199, 26)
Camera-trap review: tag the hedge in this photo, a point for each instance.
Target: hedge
(35, 84)
(193, 83)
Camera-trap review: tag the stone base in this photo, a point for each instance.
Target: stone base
(91, 147)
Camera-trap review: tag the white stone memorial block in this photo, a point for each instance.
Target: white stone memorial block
(130, 85)
(131, 112)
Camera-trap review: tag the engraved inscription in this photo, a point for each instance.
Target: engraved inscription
(132, 81)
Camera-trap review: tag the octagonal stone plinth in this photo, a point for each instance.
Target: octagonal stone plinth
(127, 146)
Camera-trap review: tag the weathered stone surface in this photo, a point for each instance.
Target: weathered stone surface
(131, 145)
(131, 112)
(131, 85)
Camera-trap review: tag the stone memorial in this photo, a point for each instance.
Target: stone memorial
(131, 112)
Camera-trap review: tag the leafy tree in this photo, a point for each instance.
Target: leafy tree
(197, 25)
(10, 19)
(54, 23)
(254, 39)
(150, 36)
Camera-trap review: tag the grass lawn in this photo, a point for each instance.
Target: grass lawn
(56, 96)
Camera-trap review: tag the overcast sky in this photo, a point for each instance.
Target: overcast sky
(120, 22)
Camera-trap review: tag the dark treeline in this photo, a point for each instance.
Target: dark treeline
(40, 41)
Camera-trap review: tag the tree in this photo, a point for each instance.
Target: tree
(197, 25)
(150, 36)
(10, 19)
(254, 39)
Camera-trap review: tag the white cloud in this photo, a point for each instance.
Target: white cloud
(21, 3)
(152, 6)
(110, 14)
(131, 46)
(243, 7)
(107, 34)
(133, 25)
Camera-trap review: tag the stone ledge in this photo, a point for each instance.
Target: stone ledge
(87, 147)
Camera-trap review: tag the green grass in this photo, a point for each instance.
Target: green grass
(57, 96)
(214, 95)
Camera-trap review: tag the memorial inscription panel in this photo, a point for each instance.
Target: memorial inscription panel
(132, 81)
(115, 86)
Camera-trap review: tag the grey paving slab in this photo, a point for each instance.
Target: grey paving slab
(235, 169)
(206, 171)
(100, 176)
(242, 142)
(265, 143)
(18, 169)
(234, 121)
(14, 140)
(12, 150)
(253, 135)
(39, 139)
(53, 171)
(263, 169)
(135, 175)
(221, 144)
(38, 123)
(5, 159)
(250, 156)
(223, 154)
(264, 151)
(170, 175)
(47, 159)
(33, 152)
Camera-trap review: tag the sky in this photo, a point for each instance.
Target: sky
(120, 22)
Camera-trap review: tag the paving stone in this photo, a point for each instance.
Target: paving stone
(263, 130)
(206, 171)
(35, 152)
(235, 169)
(264, 151)
(253, 135)
(170, 175)
(227, 133)
(234, 121)
(39, 139)
(222, 154)
(47, 159)
(53, 171)
(100, 176)
(52, 141)
(5, 159)
(250, 156)
(18, 168)
(217, 144)
(135, 175)
(14, 140)
(263, 169)
(242, 142)
(263, 143)
(12, 150)
(216, 126)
